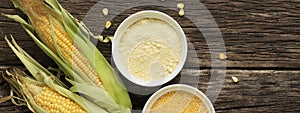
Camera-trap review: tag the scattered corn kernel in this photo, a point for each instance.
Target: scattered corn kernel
(105, 11)
(108, 24)
(180, 5)
(235, 79)
(222, 56)
(181, 12)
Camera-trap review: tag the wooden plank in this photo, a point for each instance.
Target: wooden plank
(256, 91)
(260, 91)
(257, 34)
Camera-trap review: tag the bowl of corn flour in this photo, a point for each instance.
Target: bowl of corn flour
(149, 48)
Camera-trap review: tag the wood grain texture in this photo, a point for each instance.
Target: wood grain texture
(262, 41)
(256, 91)
(256, 34)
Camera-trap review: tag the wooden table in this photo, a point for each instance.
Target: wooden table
(262, 42)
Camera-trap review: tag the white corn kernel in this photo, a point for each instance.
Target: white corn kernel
(180, 5)
(181, 12)
(105, 11)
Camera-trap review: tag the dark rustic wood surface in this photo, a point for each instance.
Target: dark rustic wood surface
(262, 41)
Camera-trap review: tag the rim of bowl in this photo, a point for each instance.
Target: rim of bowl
(121, 30)
(179, 87)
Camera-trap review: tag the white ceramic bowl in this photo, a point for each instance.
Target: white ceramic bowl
(127, 23)
(179, 87)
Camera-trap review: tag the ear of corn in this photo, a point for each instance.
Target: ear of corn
(101, 101)
(47, 97)
(53, 102)
(29, 88)
(48, 26)
(66, 41)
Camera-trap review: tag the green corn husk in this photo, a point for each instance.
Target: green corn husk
(102, 103)
(63, 21)
(25, 87)
(20, 83)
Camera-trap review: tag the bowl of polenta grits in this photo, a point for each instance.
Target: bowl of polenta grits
(178, 98)
(149, 48)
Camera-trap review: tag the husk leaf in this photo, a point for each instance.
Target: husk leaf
(80, 36)
(49, 80)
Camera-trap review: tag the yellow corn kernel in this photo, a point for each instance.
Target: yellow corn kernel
(54, 102)
(235, 79)
(222, 56)
(181, 12)
(107, 24)
(66, 45)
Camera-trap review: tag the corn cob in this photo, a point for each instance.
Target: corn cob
(58, 33)
(38, 95)
(45, 92)
(39, 15)
(54, 102)
(66, 46)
